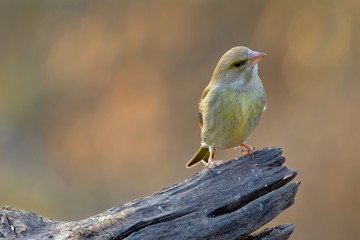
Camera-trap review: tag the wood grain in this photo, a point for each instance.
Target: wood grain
(229, 201)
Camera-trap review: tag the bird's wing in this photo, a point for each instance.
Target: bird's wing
(203, 95)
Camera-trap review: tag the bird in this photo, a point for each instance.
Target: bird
(231, 105)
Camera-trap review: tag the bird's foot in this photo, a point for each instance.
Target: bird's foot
(211, 163)
(248, 149)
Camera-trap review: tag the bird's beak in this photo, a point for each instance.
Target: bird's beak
(255, 57)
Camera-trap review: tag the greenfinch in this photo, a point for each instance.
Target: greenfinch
(231, 105)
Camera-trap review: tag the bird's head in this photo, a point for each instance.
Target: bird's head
(237, 64)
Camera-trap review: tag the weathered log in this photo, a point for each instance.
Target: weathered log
(229, 201)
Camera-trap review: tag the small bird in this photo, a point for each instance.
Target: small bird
(231, 105)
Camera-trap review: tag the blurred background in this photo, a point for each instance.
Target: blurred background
(99, 99)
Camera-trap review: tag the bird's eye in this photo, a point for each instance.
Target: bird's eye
(240, 63)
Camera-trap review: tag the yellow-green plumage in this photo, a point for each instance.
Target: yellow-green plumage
(232, 103)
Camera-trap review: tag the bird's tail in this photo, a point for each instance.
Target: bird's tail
(201, 154)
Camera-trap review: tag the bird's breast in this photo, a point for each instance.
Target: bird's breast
(231, 116)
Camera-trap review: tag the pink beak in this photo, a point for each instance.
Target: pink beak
(255, 57)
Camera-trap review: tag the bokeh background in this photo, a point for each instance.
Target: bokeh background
(98, 101)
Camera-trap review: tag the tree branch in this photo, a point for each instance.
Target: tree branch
(229, 201)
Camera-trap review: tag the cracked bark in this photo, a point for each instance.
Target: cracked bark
(229, 201)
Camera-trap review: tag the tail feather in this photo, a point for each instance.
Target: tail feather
(202, 154)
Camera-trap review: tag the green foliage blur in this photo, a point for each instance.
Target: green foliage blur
(98, 100)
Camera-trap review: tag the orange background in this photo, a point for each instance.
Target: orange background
(98, 101)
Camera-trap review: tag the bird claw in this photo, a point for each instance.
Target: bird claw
(211, 163)
(248, 149)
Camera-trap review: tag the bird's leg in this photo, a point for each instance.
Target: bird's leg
(211, 160)
(248, 149)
